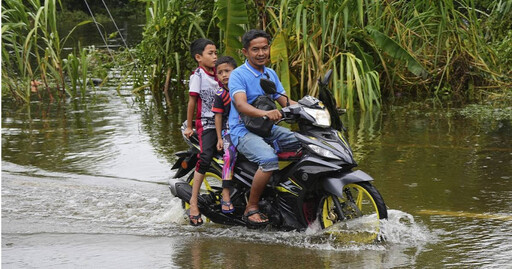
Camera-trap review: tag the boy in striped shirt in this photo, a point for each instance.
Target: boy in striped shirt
(221, 108)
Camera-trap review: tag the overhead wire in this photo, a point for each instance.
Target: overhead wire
(99, 30)
(118, 31)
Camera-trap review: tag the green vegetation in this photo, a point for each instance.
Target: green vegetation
(32, 52)
(378, 49)
(163, 53)
(447, 50)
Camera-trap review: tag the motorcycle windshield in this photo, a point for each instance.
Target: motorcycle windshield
(325, 95)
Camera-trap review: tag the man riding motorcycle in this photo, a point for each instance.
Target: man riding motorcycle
(244, 89)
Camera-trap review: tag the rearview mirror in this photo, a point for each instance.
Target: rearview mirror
(326, 78)
(268, 86)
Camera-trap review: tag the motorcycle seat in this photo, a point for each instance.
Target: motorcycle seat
(290, 155)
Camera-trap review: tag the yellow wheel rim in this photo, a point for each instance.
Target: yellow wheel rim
(363, 200)
(365, 232)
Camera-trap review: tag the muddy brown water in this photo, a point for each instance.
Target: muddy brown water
(84, 185)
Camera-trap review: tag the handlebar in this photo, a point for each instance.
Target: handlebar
(282, 116)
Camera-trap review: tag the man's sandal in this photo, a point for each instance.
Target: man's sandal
(197, 218)
(255, 223)
(229, 205)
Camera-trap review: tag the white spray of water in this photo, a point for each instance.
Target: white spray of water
(174, 213)
(401, 228)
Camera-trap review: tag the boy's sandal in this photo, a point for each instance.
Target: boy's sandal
(197, 218)
(255, 223)
(229, 205)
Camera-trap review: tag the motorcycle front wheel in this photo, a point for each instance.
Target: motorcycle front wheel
(361, 200)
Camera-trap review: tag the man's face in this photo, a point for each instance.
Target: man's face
(223, 72)
(258, 52)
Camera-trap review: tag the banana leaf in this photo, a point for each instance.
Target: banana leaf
(393, 49)
(279, 55)
(232, 14)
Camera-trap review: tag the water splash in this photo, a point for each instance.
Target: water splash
(173, 214)
(54, 202)
(401, 228)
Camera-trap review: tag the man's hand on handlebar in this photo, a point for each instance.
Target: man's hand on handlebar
(273, 115)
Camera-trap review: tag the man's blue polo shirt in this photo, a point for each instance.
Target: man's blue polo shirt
(246, 79)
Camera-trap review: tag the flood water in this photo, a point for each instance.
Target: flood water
(84, 185)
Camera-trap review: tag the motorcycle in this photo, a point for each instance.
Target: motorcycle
(315, 183)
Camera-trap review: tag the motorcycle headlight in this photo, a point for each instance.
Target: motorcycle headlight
(321, 116)
(323, 152)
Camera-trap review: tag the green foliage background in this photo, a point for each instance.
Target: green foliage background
(378, 49)
(447, 50)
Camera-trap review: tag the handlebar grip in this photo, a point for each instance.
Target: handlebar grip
(280, 111)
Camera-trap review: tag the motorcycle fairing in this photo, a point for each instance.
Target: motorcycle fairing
(244, 171)
(335, 185)
(313, 165)
(181, 156)
(290, 212)
(337, 146)
(289, 186)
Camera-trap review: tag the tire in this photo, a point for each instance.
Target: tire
(361, 200)
(212, 183)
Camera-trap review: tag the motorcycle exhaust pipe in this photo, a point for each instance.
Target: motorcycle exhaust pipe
(183, 190)
(180, 189)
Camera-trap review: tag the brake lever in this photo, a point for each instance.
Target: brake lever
(282, 117)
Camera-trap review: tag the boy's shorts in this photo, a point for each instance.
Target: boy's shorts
(208, 145)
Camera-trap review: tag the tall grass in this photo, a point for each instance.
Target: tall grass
(315, 37)
(447, 39)
(163, 53)
(428, 48)
(32, 51)
(378, 49)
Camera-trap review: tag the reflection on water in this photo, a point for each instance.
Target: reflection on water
(105, 135)
(98, 167)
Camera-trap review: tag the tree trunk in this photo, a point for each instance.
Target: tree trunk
(262, 15)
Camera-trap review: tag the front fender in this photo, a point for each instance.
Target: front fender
(335, 185)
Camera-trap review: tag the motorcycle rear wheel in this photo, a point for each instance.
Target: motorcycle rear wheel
(360, 200)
